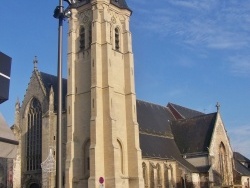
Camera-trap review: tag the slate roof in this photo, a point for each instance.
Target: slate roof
(156, 138)
(162, 148)
(194, 135)
(181, 112)
(8, 142)
(120, 3)
(239, 167)
(239, 157)
(154, 118)
(49, 80)
(243, 170)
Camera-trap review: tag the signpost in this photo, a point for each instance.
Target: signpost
(101, 181)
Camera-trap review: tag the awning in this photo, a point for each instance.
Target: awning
(8, 142)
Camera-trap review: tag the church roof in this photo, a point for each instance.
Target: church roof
(162, 148)
(193, 135)
(154, 124)
(153, 118)
(8, 141)
(120, 3)
(239, 157)
(240, 168)
(49, 80)
(181, 112)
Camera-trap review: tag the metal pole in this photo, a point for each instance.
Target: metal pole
(59, 108)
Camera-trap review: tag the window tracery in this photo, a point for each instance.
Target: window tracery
(90, 35)
(223, 162)
(82, 38)
(117, 39)
(34, 136)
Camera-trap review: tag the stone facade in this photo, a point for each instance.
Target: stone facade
(101, 99)
(36, 90)
(101, 134)
(6, 173)
(221, 156)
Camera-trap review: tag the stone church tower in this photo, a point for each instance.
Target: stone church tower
(102, 128)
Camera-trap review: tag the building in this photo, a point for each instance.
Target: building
(108, 133)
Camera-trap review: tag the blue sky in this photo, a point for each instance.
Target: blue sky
(192, 53)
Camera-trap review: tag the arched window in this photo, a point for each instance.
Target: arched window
(117, 39)
(223, 162)
(145, 174)
(34, 136)
(90, 35)
(158, 167)
(120, 157)
(152, 176)
(86, 159)
(166, 177)
(82, 38)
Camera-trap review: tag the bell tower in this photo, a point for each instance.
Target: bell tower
(102, 129)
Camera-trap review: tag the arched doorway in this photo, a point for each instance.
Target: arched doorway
(34, 185)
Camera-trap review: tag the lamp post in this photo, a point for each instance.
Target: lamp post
(60, 14)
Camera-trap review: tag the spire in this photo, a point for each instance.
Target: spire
(120, 3)
(35, 62)
(17, 105)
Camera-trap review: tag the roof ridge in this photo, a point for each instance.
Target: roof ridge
(189, 109)
(139, 100)
(199, 116)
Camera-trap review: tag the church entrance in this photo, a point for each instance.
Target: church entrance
(34, 185)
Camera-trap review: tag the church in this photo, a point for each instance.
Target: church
(107, 132)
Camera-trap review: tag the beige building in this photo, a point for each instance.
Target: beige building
(109, 133)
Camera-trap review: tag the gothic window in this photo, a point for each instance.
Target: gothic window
(145, 174)
(90, 35)
(34, 136)
(223, 162)
(86, 159)
(82, 38)
(170, 176)
(166, 177)
(152, 178)
(158, 167)
(117, 39)
(120, 157)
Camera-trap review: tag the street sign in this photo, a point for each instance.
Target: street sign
(101, 180)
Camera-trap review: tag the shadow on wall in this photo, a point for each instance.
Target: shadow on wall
(217, 178)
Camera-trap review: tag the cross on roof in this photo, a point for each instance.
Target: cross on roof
(35, 62)
(218, 106)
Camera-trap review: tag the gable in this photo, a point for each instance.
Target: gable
(194, 135)
(35, 90)
(220, 136)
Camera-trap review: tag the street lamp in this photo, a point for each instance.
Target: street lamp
(60, 14)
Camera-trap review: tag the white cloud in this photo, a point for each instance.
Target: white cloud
(240, 65)
(208, 24)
